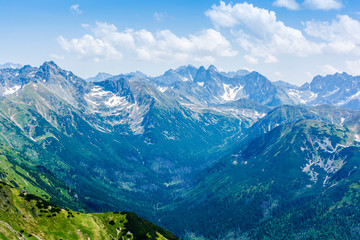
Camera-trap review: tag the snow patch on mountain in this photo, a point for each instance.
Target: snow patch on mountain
(162, 89)
(325, 180)
(231, 94)
(115, 101)
(356, 96)
(302, 97)
(10, 65)
(169, 136)
(11, 90)
(332, 92)
(185, 79)
(137, 117)
(322, 156)
(91, 102)
(99, 100)
(117, 109)
(342, 120)
(357, 137)
(98, 92)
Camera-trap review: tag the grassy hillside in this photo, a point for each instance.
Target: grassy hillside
(26, 216)
(18, 171)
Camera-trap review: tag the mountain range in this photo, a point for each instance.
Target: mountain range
(202, 153)
(10, 65)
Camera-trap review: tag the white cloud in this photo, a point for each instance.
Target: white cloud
(106, 42)
(75, 9)
(265, 36)
(341, 35)
(289, 4)
(323, 4)
(353, 67)
(89, 47)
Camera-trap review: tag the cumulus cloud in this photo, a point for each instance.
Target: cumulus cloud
(75, 9)
(309, 4)
(289, 4)
(353, 67)
(107, 42)
(342, 35)
(260, 33)
(89, 47)
(323, 4)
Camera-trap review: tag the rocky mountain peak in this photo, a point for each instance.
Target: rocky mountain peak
(99, 77)
(50, 66)
(329, 82)
(212, 68)
(170, 72)
(200, 75)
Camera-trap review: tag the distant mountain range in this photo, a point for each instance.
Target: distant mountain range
(200, 152)
(209, 86)
(10, 65)
(99, 77)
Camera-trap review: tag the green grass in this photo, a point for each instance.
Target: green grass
(18, 171)
(32, 216)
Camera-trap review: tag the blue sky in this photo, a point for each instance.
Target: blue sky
(290, 40)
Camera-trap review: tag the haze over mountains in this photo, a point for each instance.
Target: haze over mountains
(10, 65)
(197, 151)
